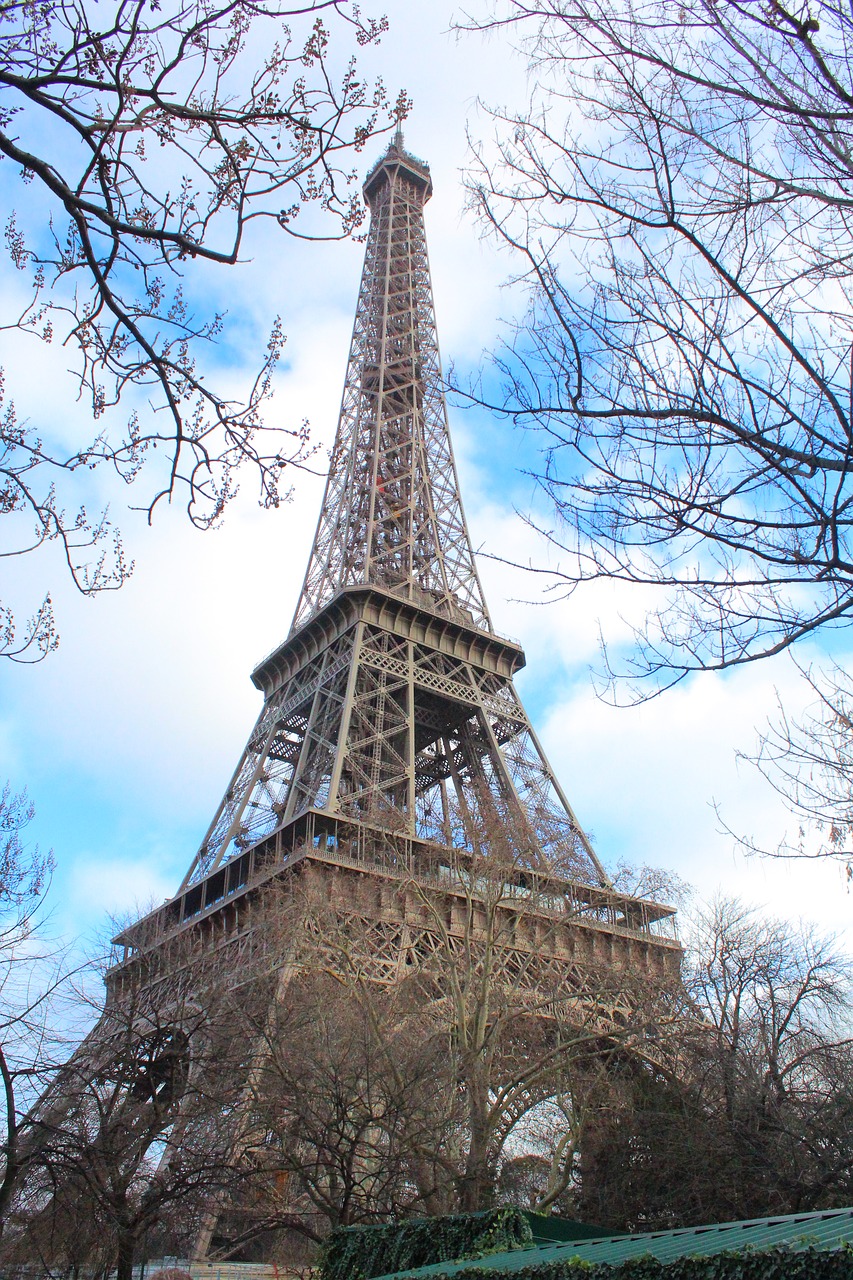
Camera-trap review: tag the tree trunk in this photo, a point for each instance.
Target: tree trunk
(126, 1251)
(476, 1189)
(10, 1175)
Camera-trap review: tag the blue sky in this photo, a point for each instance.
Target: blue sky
(126, 737)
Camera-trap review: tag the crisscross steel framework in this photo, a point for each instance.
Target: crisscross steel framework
(391, 702)
(391, 513)
(390, 739)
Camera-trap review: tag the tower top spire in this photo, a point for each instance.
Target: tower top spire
(392, 516)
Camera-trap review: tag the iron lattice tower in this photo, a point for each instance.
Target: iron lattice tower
(391, 702)
(390, 739)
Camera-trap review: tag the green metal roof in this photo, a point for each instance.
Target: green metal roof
(828, 1229)
(546, 1227)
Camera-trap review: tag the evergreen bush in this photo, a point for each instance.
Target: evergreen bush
(359, 1253)
(743, 1264)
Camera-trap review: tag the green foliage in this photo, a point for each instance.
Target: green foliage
(743, 1264)
(358, 1253)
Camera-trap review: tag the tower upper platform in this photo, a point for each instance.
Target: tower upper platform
(397, 163)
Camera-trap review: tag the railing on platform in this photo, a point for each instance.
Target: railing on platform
(330, 839)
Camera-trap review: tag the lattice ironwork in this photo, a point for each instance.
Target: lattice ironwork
(391, 513)
(390, 732)
(406, 721)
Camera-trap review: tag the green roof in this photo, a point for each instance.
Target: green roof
(547, 1227)
(827, 1229)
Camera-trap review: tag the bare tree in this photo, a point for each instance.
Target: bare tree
(134, 1131)
(520, 1026)
(143, 139)
(32, 971)
(347, 1085)
(494, 1012)
(759, 1118)
(808, 760)
(778, 998)
(679, 196)
(362, 1043)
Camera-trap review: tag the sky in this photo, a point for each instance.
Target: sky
(127, 736)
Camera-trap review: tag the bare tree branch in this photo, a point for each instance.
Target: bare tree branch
(678, 196)
(147, 138)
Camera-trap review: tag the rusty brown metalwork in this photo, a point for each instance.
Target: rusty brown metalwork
(392, 748)
(391, 701)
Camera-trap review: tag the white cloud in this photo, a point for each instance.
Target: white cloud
(117, 888)
(647, 781)
(659, 784)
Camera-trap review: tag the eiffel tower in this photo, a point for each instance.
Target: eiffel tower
(391, 733)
